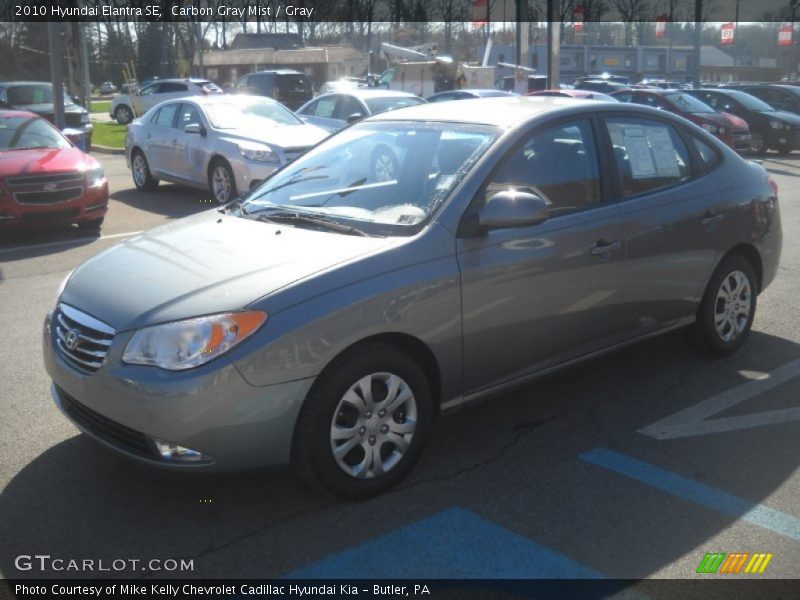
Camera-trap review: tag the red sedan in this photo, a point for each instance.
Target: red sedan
(44, 179)
(729, 128)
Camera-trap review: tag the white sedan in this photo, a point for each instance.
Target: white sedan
(227, 144)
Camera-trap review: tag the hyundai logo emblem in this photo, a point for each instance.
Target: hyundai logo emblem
(72, 339)
(50, 187)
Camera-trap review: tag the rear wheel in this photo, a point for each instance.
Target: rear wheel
(384, 164)
(123, 114)
(142, 178)
(364, 423)
(728, 307)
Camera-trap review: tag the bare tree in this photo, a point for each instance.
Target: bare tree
(631, 11)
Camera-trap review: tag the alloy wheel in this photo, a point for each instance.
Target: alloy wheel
(732, 306)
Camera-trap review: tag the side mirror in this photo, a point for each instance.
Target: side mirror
(509, 209)
(354, 117)
(195, 128)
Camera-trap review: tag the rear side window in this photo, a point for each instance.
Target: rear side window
(166, 115)
(293, 84)
(708, 156)
(649, 154)
(324, 107)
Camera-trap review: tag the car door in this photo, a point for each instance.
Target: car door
(191, 150)
(674, 219)
(540, 295)
(160, 138)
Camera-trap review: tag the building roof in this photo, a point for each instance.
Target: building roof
(277, 41)
(264, 57)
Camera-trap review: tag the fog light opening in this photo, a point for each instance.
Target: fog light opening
(175, 453)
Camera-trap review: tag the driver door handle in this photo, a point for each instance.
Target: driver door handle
(711, 218)
(605, 249)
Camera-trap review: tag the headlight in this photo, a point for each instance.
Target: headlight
(84, 117)
(193, 342)
(722, 131)
(710, 127)
(776, 124)
(95, 176)
(259, 153)
(787, 127)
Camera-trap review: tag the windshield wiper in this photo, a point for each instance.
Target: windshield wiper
(295, 217)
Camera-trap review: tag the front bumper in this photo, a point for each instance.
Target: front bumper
(783, 140)
(90, 206)
(210, 409)
(250, 173)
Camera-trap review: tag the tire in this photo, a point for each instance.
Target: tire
(123, 114)
(729, 305)
(383, 164)
(758, 145)
(364, 431)
(93, 225)
(142, 178)
(221, 181)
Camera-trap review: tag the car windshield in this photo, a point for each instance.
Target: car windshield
(689, 104)
(384, 178)
(379, 105)
(33, 94)
(20, 133)
(751, 102)
(251, 114)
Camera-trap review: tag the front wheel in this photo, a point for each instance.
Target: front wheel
(222, 182)
(364, 423)
(729, 305)
(758, 144)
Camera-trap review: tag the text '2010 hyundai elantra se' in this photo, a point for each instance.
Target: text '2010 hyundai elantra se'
(325, 318)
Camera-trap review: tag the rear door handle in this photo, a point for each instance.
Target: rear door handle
(605, 249)
(711, 219)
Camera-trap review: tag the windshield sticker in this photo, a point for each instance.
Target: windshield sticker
(639, 157)
(666, 158)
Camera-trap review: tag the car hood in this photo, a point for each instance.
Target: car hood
(281, 136)
(42, 160)
(205, 264)
(782, 115)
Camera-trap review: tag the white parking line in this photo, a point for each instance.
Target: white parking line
(694, 420)
(67, 242)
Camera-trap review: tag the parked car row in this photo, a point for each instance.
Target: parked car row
(328, 316)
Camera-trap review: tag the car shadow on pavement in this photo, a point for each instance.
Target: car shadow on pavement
(515, 462)
(172, 201)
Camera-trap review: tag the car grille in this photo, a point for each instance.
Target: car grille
(46, 189)
(81, 339)
(104, 428)
(741, 139)
(292, 153)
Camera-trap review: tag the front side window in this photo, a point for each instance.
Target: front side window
(385, 178)
(559, 164)
(30, 94)
(649, 154)
(189, 115)
(153, 88)
(348, 106)
(169, 87)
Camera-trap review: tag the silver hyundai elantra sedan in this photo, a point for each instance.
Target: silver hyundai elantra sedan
(227, 144)
(326, 317)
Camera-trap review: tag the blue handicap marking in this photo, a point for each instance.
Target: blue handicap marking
(699, 493)
(454, 543)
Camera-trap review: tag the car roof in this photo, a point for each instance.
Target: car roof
(12, 83)
(278, 72)
(365, 93)
(14, 114)
(503, 111)
(223, 99)
(179, 80)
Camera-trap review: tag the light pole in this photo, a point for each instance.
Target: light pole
(792, 61)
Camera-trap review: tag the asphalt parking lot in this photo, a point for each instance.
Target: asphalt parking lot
(635, 465)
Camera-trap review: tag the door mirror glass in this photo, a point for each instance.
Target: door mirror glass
(354, 117)
(194, 128)
(511, 208)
